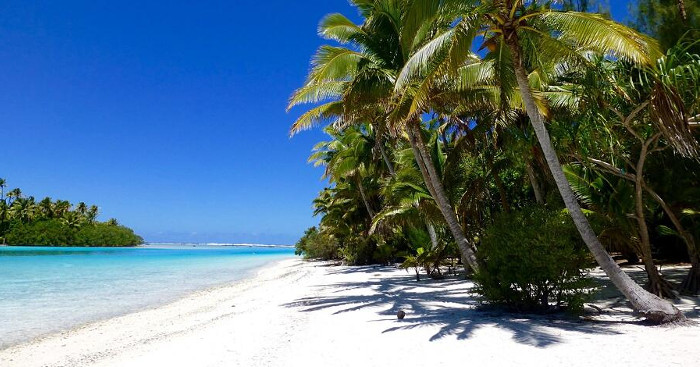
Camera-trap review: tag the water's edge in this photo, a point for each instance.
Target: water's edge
(250, 275)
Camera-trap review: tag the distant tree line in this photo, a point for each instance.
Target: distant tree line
(24, 221)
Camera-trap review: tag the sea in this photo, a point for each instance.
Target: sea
(50, 289)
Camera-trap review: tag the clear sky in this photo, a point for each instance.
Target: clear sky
(168, 115)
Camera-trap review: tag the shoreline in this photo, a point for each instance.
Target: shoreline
(246, 276)
(195, 303)
(293, 312)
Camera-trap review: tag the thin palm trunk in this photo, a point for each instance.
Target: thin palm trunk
(387, 161)
(650, 306)
(438, 192)
(536, 188)
(364, 198)
(681, 9)
(657, 284)
(432, 234)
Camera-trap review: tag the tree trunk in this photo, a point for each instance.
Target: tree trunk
(392, 172)
(657, 284)
(387, 161)
(682, 11)
(434, 185)
(539, 196)
(691, 283)
(364, 198)
(432, 234)
(655, 309)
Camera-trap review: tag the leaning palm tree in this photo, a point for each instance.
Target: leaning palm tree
(356, 82)
(529, 36)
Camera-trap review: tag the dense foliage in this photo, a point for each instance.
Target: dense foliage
(533, 260)
(24, 221)
(316, 245)
(446, 116)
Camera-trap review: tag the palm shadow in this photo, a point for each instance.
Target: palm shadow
(447, 306)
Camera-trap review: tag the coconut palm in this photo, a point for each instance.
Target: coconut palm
(348, 157)
(529, 38)
(91, 214)
(45, 208)
(358, 80)
(13, 195)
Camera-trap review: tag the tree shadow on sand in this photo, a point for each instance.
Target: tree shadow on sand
(448, 306)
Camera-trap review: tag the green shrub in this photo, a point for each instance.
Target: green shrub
(317, 245)
(56, 232)
(359, 250)
(51, 232)
(532, 260)
(103, 234)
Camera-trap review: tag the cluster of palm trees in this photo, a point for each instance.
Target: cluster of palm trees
(444, 113)
(15, 207)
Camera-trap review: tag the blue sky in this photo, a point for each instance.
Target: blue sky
(168, 115)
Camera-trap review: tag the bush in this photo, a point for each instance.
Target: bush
(50, 232)
(103, 234)
(532, 260)
(317, 245)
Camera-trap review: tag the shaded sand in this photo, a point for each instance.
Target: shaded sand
(307, 314)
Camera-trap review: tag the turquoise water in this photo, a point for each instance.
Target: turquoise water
(48, 289)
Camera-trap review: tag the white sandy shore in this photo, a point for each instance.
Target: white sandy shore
(305, 314)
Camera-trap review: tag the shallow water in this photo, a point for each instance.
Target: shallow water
(48, 289)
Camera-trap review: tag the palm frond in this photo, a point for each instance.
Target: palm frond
(595, 32)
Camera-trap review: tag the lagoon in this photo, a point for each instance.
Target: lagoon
(49, 289)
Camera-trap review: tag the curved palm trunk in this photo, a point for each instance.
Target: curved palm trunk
(438, 192)
(657, 284)
(655, 309)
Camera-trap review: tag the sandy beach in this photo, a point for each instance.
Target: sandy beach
(305, 313)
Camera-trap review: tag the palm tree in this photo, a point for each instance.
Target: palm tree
(60, 207)
(529, 35)
(13, 195)
(46, 208)
(92, 213)
(348, 157)
(358, 79)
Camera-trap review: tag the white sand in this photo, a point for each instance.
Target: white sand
(304, 314)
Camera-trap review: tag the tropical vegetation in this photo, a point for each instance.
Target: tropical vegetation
(25, 221)
(462, 130)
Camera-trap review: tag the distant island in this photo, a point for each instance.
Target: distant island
(26, 222)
